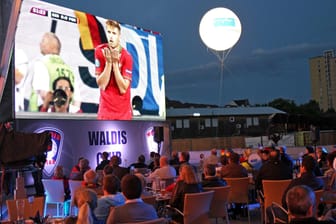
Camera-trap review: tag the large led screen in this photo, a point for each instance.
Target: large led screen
(79, 33)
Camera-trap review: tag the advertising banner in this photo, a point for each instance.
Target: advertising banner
(79, 33)
(72, 139)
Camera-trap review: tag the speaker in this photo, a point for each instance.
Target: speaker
(158, 134)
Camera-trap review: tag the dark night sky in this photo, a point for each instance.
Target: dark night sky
(270, 60)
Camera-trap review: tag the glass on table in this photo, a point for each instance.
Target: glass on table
(163, 187)
(20, 203)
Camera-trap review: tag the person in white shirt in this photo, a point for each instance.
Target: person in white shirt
(212, 159)
(164, 172)
(21, 68)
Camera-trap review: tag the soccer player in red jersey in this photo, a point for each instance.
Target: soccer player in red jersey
(113, 76)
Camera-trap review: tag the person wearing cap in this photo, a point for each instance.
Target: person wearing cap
(59, 100)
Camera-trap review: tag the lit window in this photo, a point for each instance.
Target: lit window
(248, 122)
(207, 122)
(186, 123)
(214, 122)
(178, 123)
(256, 121)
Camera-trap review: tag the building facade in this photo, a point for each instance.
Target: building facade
(215, 124)
(323, 79)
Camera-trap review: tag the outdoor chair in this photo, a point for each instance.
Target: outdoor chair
(74, 185)
(154, 221)
(273, 191)
(54, 190)
(239, 192)
(196, 207)
(219, 203)
(32, 206)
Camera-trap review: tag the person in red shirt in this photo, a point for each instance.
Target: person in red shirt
(113, 76)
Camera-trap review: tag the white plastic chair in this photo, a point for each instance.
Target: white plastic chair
(54, 190)
(74, 185)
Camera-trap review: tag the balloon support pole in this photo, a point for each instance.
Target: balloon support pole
(221, 55)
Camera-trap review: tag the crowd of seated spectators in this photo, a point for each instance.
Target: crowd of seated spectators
(117, 198)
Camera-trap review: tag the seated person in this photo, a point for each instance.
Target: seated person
(143, 184)
(233, 168)
(116, 168)
(165, 171)
(187, 183)
(59, 175)
(105, 161)
(273, 169)
(110, 198)
(210, 178)
(134, 209)
(86, 201)
(76, 168)
(307, 177)
(140, 163)
(84, 165)
(90, 180)
(108, 170)
(301, 205)
(330, 189)
(244, 160)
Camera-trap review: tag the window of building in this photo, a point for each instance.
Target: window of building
(214, 122)
(252, 121)
(178, 123)
(186, 123)
(207, 123)
(248, 121)
(255, 121)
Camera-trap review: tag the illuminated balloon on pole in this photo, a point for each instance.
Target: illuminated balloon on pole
(220, 29)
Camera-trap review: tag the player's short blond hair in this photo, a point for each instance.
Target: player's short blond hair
(113, 23)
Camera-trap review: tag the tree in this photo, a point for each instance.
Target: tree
(286, 105)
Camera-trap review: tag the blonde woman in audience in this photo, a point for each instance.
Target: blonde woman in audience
(187, 183)
(86, 201)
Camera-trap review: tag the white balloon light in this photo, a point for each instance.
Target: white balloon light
(220, 29)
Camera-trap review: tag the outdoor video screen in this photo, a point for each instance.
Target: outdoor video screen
(79, 33)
